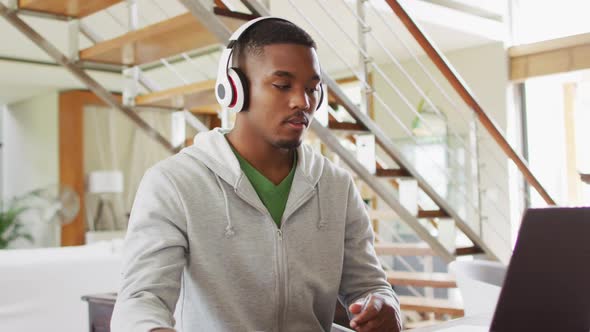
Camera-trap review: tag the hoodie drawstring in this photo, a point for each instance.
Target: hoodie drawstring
(229, 229)
(321, 222)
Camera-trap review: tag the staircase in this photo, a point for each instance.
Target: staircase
(394, 183)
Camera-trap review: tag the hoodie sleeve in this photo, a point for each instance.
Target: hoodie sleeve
(362, 274)
(154, 256)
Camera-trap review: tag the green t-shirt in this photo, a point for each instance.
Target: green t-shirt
(274, 197)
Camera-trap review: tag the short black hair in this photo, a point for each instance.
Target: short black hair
(270, 32)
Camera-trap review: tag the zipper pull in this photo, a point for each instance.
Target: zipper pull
(280, 234)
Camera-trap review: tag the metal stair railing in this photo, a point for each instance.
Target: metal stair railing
(459, 85)
(492, 135)
(477, 138)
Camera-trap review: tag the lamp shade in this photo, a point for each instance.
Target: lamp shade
(104, 182)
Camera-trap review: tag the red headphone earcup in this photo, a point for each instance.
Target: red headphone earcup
(241, 92)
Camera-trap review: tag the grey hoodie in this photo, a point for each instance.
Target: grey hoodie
(200, 241)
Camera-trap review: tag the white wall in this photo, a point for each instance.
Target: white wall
(30, 149)
(30, 133)
(485, 71)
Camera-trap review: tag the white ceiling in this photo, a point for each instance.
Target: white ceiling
(450, 29)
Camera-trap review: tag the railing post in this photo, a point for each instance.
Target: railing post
(363, 58)
(131, 73)
(473, 176)
(133, 15)
(73, 38)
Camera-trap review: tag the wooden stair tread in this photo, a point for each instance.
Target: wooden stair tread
(472, 250)
(347, 126)
(421, 279)
(71, 8)
(404, 249)
(391, 173)
(438, 306)
(169, 37)
(211, 109)
(389, 214)
(195, 95)
(428, 214)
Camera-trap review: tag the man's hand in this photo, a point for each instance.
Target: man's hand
(375, 314)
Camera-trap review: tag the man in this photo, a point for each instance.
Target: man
(250, 230)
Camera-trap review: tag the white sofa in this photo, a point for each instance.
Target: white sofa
(41, 288)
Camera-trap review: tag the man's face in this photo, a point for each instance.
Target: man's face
(284, 92)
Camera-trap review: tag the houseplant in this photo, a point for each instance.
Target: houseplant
(11, 227)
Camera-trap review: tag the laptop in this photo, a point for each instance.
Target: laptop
(547, 285)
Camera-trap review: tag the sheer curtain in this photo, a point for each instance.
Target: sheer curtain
(113, 142)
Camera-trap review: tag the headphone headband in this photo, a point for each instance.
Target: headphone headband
(231, 88)
(225, 85)
(236, 35)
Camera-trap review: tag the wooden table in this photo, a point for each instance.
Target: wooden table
(100, 310)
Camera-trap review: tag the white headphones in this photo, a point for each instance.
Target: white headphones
(231, 88)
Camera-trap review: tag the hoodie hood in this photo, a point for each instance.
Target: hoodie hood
(213, 150)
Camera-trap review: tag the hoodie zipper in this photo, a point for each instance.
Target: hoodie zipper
(280, 252)
(282, 268)
(281, 282)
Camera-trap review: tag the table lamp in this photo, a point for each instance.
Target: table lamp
(102, 183)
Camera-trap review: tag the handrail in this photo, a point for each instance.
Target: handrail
(461, 88)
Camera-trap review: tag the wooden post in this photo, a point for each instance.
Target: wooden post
(71, 156)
